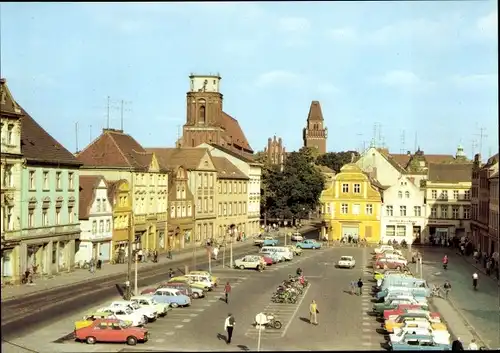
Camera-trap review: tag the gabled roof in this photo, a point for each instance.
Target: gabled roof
(234, 134)
(450, 173)
(438, 158)
(113, 186)
(247, 158)
(8, 105)
(38, 145)
(88, 186)
(315, 112)
(401, 159)
(113, 148)
(227, 170)
(388, 157)
(170, 158)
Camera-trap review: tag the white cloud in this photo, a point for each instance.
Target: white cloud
(327, 88)
(277, 77)
(488, 25)
(294, 24)
(475, 81)
(342, 34)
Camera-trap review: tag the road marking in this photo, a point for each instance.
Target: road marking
(366, 318)
(366, 344)
(366, 324)
(193, 315)
(169, 333)
(186, 320)
(179, 326)
(213, 300)
(202, 309)
(160, 340)
(367, 330)
(296, 310)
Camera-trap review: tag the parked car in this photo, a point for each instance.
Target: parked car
(296, 251)
(437, 328)
(149, 313)
(147, 302)
(253, 262)
(346, 262)
(400, 320)
(91, 317)
(125, 314)
(402, 309)
(379, 308)
(206, 280)
(308, 244)
(268, 260)
(383, 248)
(389, 263)
(440, 337)
(111, 330)
(419, 343)
(171, 296)
(297, 236)
(213, 279)
(186, 289)
(191, 282)
(270, 241)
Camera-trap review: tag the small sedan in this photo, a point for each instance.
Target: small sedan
(113, 331)
(297, 237)
(268, 260)
(346, 262)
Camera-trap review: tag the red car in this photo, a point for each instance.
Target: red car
(392, 264)
(404, 308)
(268, 260)
(111, 330)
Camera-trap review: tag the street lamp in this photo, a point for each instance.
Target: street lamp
(231, 234)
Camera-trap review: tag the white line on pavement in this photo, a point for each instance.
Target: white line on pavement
(213, 300)
(367, 318)
(366, 344)
(193, 315)
(169, 333)
(202, 309)
(367, 330)
(366, 324)
(179, 326)
(160, 340)
(296, 310)
(186, 320)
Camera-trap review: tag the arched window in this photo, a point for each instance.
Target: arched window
(400, 194)
(407, 194)
(201, 115)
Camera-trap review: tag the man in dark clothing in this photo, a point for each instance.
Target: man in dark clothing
(229, 327)
(457, 345)
(360, 286)
(227, 290)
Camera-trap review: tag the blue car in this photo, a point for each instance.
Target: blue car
(419, 343)
(171, 296)
(308, 244)
(269, 241)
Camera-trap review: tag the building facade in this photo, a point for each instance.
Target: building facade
(120, 197)
(351, 206)
(315, 133)
(232, 191)
(116, 156)
(275, 152)
(448, 201)
(253, 171)
(494, 219)
(96, 220)
(10, 191)
(202, 182)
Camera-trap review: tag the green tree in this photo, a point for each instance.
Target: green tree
(293, 192)
(335, 160)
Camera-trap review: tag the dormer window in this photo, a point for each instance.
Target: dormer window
(10, 134)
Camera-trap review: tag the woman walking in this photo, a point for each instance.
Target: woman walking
(313, 313)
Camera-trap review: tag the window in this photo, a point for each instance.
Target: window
(401, 231)
(104, 208)
(225, 209)
(344, 209)
(434, 194)
(205, 179)
(71, 180)
(417, 211)
(356, 209)
(71, 215)
(225, 187)
(230, 209)
(211, 204)
(245, 187)
(58, 216)
(400, 194)
(407, 194)
(45, 217)
(98, 206)
(108, 225)
(357, 188)
(345, 187)
(220, 187)
(444, 195)
(390, 231)
(467, 194)
(444, 212)
(172, 211)
(434, 212)
(101, 226)
(10, 134)
(32, 179)
(389, 211)
(369, 209)
(220, 209)
(45, 180)
(7, 177)
(189, 211)
(466, 212)
(178, 211)
(402, 211)
(205, 205)
(455, 212)
(183, 211)
(31, 218)
(7, 221)
(455, 194)
(58, 180)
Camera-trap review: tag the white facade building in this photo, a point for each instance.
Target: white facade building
(96, 220)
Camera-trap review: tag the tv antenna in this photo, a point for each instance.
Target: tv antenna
(482, 135)
(402, 140)
(124, 108)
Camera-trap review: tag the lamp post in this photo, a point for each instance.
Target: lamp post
(231, 234)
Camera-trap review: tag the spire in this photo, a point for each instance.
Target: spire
(315, 112)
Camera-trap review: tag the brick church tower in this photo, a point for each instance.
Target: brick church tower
(315, 133)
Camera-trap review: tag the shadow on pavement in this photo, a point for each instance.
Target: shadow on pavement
(243, 348)
(68, 337)
(221, 337)
(385, 346)
(305, 319)
(381, 331)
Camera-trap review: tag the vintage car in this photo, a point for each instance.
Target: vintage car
(150, 313)
(253, 262)
(403, 308)
(414, 290)
(91, 317)
(346, 262)
(391, 263)
(439, 336)
(297, 236)
(308, 244)
(147, 302)
(379, 308)
(276, 257)
(191, 282)
(405, 318)
(270, 241)
(113, 331)
(203, 279)
(296, 251)
(383, 273)
(213, 279)
(412, 342)
(268, 260)
(125, 314)
(185, 289)
(171, 296)
(383, 248)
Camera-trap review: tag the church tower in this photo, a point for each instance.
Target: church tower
(203, 111)
(315, 133)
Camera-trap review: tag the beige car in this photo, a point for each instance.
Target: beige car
(296, 251)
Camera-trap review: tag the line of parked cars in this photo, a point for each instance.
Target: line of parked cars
(401, 305)
(125, 320)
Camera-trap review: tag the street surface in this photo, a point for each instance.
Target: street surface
(479, 309)
(343, 319)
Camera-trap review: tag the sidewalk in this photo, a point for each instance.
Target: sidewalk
(472, 262)
(81, 276)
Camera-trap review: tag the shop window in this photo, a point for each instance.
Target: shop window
(401, 231)
(54, 253)
(390, 231)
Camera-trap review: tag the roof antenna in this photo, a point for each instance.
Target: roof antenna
(76, 136)
(90, 133)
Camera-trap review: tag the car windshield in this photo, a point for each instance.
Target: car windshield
(124, 324)
(134, 305)
(345, 258)
(128, 311)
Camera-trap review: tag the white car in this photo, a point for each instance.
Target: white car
(125, 314)
(250, 262)
(439, 336)
(297, 237)
(147, 302)
(383, 248)
(346, 262)
(150, 313)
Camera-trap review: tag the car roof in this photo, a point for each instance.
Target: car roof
(140, 297)
(350, 257)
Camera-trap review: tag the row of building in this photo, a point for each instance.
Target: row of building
(59, 208)
(416, 197)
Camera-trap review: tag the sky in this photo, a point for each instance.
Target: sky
(425, 70)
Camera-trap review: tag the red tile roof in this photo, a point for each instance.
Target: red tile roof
(170, 158)
(438, 158)
(401, 159)
(234, 134)
(315, 112)
(450, 173)
(88, 186)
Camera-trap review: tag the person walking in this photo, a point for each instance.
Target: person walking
(227, 290)
(169, 252)
(313, 313)
(457, 345)
(353, 287)
(447, 288)
(215, 251)
(360, 286)
(473, 345)
(229, 327)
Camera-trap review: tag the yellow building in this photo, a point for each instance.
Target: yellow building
(351, 206)
(119, 195)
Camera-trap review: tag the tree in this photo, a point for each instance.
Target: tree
(293, 192)
(335, 160)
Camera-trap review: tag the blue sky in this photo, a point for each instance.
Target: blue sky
(428, 68)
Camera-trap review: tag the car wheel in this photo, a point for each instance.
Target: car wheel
(242, 267)
(195, 295)
(91, 340)
(398, 268)
(174, 305)
(131, 340)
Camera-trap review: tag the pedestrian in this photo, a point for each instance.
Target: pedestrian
(360, 286)
(353, 287)
(169, 252)
(227, 290)
(229, 327)
(313, 313)
(457, 345)
(215, 251)
(92, 266)
(473, 345)
(447, 288)
(139, 255)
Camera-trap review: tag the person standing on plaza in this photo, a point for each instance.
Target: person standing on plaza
(313, 313)
(215, 252)
(229, 327)
(353, 287)
(457, 345)
(473, 345)
(447, 288)
(227, 290)
(360, 286)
